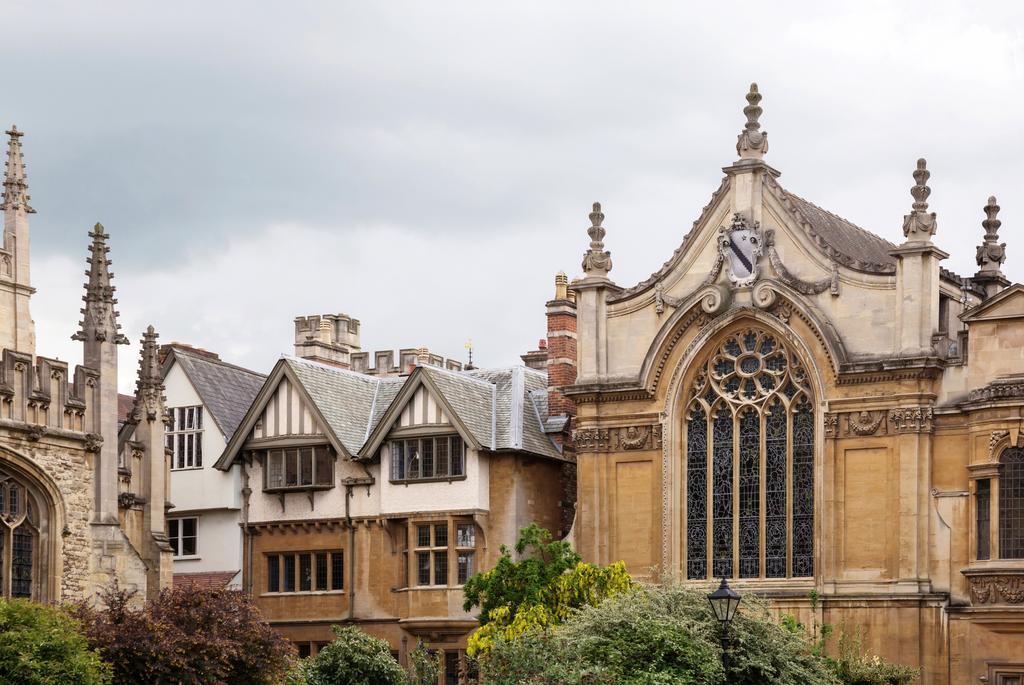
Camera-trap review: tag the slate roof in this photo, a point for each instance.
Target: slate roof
(344, 398)
(227, 391)
(500, 407)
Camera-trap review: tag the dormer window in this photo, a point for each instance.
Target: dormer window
(434, 458)
(299, 468)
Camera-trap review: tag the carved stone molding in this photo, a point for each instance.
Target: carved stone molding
(993, 442)
(998, 390)
(93, 442)
(618, 439)
(865, 422)
(830, 282)
(996, 587)
(831, 425)
(35, 432)
(910, 420)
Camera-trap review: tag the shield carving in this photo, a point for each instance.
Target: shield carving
(740, 245)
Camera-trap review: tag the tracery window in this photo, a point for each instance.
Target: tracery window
(19, 538)
(753, 399)
(1011, 504)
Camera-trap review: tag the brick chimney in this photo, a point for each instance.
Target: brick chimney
(327, 338)
(561, 347)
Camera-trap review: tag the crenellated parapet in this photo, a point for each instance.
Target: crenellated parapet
(408, 359)
(44, 397)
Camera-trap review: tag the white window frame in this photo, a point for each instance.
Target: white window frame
(185, 437)
(177, 540)
(409, 455)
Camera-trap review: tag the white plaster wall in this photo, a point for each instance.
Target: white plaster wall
(468, 493)
(326, 503)
(218, 544)
(213, 496)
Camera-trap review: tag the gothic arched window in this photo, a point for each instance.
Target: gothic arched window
(1011, 504)
(750, 456)
(19, 538)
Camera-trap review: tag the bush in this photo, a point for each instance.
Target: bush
(539, 590)
(187, 637)
(354, 658)
(40, 645)
(424, 666)
(653, 635)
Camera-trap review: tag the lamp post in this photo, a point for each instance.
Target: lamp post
(724, 602)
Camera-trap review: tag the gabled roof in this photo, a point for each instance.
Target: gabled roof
(1008, 304)
(497, 409)
(226, 390)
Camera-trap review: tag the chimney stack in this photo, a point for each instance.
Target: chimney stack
(561, 347)
(327, 338)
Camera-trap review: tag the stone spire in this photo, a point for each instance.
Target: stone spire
(991, 253)
(597, 261)
(919, 226)
(149, 386)
(752, 143)
(100, 318)
(15, 181)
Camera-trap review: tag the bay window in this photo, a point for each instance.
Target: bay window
(299, 468)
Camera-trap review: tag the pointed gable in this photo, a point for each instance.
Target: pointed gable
(1009, 304)
(286, 413)
(227, 391)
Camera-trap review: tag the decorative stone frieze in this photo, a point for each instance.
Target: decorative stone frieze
(865, 423)
(615, 439)
(910, 420)
(996, 587)
(998, 390)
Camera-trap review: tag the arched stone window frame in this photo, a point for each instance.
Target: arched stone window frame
(48, 523)
(677, 400)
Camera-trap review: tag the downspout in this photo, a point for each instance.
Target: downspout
(246, 531)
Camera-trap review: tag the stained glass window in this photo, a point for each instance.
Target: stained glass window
(752, 399)
(697, 494)
(1011, 504)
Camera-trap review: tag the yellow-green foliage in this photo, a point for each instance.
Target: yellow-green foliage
(583, 585)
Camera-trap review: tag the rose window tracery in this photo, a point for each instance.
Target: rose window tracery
(750, 462)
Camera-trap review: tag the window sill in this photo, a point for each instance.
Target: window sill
(299, 488)
(186, 468)
(425, 588)
(411, 481)
(190, 557)
(304, 593)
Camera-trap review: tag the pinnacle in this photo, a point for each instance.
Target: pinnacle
(15, 182)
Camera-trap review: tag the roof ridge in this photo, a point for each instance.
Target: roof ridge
(218, 362)
(457, 374)
(329, 367)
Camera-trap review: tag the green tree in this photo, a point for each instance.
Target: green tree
(354, 658)
(424, 666)
(41, 645)
(540, 589)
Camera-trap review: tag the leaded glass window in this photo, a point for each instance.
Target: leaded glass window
(19, 538)
(750, 456)
(1011, 504)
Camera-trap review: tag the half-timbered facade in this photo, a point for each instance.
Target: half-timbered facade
(370, 498)
(799, 405)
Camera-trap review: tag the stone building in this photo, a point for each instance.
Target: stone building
(64, 530)
(797, 404)
(370, 494)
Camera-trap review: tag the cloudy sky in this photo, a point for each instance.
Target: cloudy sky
(428, 167)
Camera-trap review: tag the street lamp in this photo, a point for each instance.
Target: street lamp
(724, 602)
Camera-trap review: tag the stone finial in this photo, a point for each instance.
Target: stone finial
(15, 182)
(149, 385)
(597, 261)
(991, 253)
(99, 316)
(752, 143)
(919, 226)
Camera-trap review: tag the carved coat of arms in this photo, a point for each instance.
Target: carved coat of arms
(741, 245)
